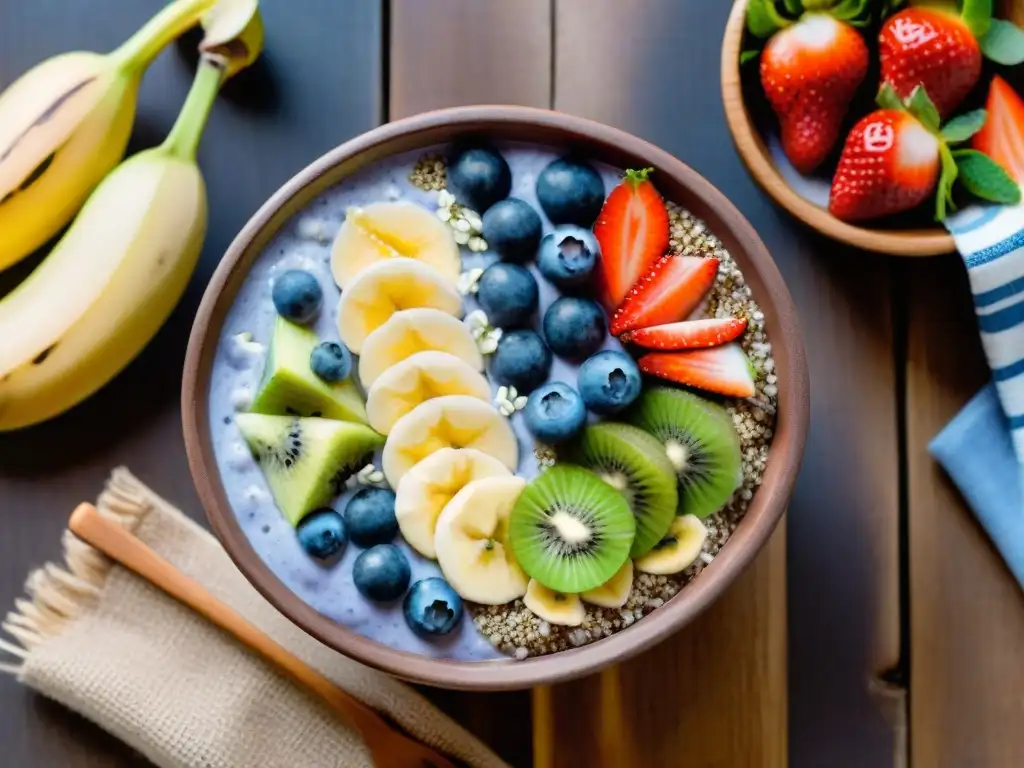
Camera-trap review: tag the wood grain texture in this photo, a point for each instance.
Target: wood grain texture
(966, 610)
(655, 78)
(751, 147)
(448, 53)
(318, 84)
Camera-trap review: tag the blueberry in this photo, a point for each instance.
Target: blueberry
(297, 296)
(331, 361)
(522, 360)
(508, 294)
(609, 381)
(513, 229)
(555, 412)
(381, 572)
(432, 607)
(568, 255)
(574, 328)
(478, 176)
(322, 533)
(370, 515)
(570, 192)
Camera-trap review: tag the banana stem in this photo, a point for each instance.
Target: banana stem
(142, 47)
(183, 140)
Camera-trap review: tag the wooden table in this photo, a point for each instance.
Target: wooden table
(878, 629)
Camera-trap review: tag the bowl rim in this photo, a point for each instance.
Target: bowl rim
(906, 242)
(442, 126)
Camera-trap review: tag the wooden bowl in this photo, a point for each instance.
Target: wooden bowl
(677, 182)
(750, 141)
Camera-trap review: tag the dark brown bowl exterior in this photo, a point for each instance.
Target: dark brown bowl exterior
(678, 183)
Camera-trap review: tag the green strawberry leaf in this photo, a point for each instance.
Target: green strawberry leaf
(962, 127)
(890, 7)
(1003, 43)
(944, 194)
(764, 19)
(793, 7)
(888, 98)
(984, 178)
(977, 15)
(853, 12)
(922, 107)
(749, 55)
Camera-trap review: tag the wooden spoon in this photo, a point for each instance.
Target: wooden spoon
(388, 747)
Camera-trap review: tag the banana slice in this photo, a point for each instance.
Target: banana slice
(426, 489)
(554, 607)
(452, 421)
(615, 592)
(386, 287)
(411, 331)
(393, 230)
(417, 379)
(678, 550)
(472, 541)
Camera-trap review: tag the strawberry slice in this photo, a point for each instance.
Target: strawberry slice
(670, 291)
(689, 334)
(724, 370)
(632, 230)
(1002, 137)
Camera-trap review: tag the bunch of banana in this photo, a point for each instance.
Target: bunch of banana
(111, 281)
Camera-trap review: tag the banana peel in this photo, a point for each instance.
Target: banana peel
(234, 30)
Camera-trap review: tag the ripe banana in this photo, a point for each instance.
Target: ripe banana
(64, 125)
(614, 593)
(554, 607)
(411, 331)
(427, 488)
(417, 379)
(472, 542)
(390, 286)
(678, 550)
(452, 421)
(112, 280)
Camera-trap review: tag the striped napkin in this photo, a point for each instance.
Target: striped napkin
(982, 448)
(991, 241)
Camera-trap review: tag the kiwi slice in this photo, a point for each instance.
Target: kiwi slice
(635, 464)
(700, 441)
(570, 531)
(290, 388)
(306, 461)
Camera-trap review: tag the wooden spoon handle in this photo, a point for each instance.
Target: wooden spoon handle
(120, 545)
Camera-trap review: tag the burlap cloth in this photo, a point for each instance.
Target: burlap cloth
(107, 644)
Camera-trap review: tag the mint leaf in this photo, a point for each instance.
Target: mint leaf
(1003, 43)
(944, 192)
(977, 15)
(922, 107)
(984, 178)
(748, 56)
(961, 128)
(764, 19)
(888, 98)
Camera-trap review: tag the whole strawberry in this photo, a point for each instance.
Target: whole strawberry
(932, 48)
(811, 68)
(898, 156)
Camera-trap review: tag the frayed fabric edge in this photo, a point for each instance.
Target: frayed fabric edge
(58, 594)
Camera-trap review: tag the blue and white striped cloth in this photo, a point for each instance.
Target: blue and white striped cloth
(991, 241)
(982, 448)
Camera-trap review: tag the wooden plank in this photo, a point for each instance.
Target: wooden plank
(966, 610)
(446, 53)
(320, 84)
(656, 76)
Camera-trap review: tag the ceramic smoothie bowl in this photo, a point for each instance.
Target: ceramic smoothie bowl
(473, 405)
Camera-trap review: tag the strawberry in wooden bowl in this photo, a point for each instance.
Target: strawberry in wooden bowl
(857, 116)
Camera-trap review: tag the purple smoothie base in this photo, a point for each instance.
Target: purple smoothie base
(237, 370)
